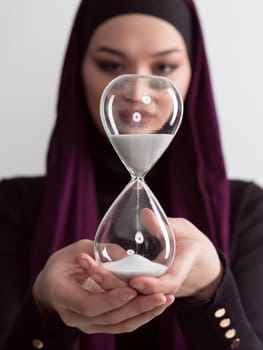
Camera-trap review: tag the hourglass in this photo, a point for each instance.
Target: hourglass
(141, 115)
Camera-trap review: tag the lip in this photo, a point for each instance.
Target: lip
(135, 117)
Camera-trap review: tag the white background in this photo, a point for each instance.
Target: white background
(33, 35)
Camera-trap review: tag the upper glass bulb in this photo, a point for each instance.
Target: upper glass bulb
(141, 114)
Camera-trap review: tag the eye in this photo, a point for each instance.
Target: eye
(110, 66)
(165, 68)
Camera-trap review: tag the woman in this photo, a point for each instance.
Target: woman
(209, 298)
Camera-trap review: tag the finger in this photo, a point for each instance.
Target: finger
(91, 286)
(154, 224)
(184, 229)
(118, 321)
(112, 251)
(172, 280)
(81, 246)
(188, 238)
(79, 300)
(161, 229)
(137, 306)
(129, 324)
(106, 279)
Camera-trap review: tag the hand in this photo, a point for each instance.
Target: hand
(196, 271)
(83, 295)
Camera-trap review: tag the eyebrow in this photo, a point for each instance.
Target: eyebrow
(121, 54)
(166, 52)
(110, 50)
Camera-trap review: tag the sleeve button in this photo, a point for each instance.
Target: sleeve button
(235, 343)
(37, 344)
(225, 323)
(230, 333)
(220, 312)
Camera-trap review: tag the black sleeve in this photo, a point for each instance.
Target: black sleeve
(31, 331)
(21, 325)
(233, 319)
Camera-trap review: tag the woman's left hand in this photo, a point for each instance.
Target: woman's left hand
(196, 271)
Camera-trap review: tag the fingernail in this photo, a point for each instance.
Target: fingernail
(128, 296)
(84, 264)
(171, 298)
(138, 286)
(97, 278)
(152, 304)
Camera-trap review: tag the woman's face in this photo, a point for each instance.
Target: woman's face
(133, 44)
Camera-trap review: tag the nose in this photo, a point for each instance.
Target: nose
(136, 89)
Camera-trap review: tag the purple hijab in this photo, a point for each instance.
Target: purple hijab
(196, 178)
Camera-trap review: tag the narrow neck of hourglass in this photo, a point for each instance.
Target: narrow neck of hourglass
(138, 182)
(138, 177)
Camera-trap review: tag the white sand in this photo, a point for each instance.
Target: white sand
(140, 151)
(135, 265)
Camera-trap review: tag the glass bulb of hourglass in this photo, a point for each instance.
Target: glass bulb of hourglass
(141, 115)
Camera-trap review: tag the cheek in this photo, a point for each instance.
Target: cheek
(93, 90)
(93, 94)
(164, 108)
(92, 100)
(182, 80)
(185, 81)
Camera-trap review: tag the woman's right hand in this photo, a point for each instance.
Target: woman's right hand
(66, 288)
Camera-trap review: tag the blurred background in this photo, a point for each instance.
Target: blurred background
(33, 36)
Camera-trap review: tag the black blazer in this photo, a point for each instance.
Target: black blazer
(233, 319)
